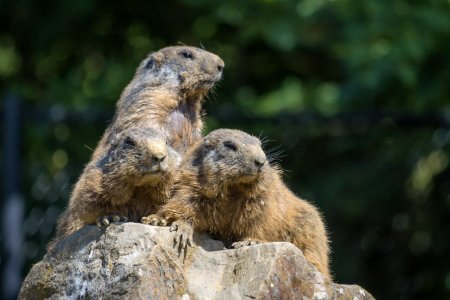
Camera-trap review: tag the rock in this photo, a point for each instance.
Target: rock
(136, 261)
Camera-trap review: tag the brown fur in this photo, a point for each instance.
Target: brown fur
(228, 189)
(131, 180)
(167, 92)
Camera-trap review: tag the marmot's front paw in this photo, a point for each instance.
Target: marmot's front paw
(154, 220)
(244, 243)
(106, 220)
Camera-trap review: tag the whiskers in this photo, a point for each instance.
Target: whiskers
(264, 140)
(275, 154)
(212, 94)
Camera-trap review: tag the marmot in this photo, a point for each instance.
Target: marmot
(167, 92)
(130, 181)
(227, 187)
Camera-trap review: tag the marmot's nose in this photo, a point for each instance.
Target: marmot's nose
(158, 158)
(259, 162)
(220, 64)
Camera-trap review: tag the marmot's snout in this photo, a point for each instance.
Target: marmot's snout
(159, 162)
(260, 162)
(220, 66)
(154, 166)
(214, 67)
(257, 159)
(157, 157)
(252, 162)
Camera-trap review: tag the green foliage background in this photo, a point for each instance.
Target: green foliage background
(356, 94)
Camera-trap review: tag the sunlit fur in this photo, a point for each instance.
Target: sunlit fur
(130, 180)
(222, 192)
(167, 92)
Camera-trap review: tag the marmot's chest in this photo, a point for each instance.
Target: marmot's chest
(183, 128)
(178, 121)
(232, 215)
(143, 201)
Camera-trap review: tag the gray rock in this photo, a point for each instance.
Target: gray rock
(136, 261)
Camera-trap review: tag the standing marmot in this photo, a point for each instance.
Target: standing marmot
(227, 188)
(131, 180)
(167, 93)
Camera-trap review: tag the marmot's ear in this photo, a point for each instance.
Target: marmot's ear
(114, 140)
(208, 144)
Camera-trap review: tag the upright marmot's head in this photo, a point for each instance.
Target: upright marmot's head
(190, 70)
(140, 156)
(229, 157)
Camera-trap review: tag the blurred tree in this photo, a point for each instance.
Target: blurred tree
(355, 93)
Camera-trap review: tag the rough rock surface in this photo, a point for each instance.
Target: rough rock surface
(136, 261)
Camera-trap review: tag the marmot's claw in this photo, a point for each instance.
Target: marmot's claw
(154, 220)
(102, 221)
(174, 227)
(244, 243)
(151, 219)
(106, 220)
(183, 236)
(237, 245)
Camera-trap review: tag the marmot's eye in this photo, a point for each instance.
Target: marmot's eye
(150, 63)
(129, 142)
(230, 145)
(187, 54)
